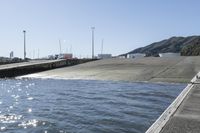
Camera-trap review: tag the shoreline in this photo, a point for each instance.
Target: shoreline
(123, 81)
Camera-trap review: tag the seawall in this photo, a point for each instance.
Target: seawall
(150, 69)
(18, 69)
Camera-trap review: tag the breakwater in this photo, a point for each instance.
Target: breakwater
(18, 69)
(151, 69)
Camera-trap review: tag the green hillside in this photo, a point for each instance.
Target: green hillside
(185, 45)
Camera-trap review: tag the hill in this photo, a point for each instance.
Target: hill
(184, 45)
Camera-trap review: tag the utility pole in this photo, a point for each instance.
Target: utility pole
(70, 49)
(102, 46)
(92, 42)
(60, 47)
(33, 54)
(24, 44)
(38, 53)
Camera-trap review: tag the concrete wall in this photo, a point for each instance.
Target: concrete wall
(18, 69)
(136, 55)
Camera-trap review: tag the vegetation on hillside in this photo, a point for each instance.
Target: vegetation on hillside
(184, 45)
(191, 50)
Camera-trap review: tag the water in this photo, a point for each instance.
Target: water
(81, 106)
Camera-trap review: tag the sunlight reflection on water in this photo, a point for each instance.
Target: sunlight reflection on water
(52, 106)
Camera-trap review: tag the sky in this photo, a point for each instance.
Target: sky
(123, 25)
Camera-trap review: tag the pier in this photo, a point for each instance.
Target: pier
(18, 69)
(183, 115)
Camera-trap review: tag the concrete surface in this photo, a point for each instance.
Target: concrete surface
(187, 117)
(152, 69)
(17, 69)
(166, 116)
(7, 66)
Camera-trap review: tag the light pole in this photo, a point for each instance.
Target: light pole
(24, 44)
(92, 42)
(38, 53)
(60, 47)
(102, 46)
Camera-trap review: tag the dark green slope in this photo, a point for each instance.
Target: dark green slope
(184, 45)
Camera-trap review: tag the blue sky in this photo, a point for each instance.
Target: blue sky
(123, 24)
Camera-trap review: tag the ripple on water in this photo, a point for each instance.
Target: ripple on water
(10, 118)
(61, 106)
(30, 98)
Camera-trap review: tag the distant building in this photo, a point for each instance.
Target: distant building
(136, 55)
(104, 56)
(65, 56)
(169, 54)
(122, 56)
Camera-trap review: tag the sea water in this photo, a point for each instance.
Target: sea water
(82, 106)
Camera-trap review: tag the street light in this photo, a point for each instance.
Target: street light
(102, 46)
(92, 42)
(60, 47)
(24, 44)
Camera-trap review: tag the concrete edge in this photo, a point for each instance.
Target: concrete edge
(157, 126)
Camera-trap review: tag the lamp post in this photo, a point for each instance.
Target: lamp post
(102, 46)
(24, 44)
(60, 47)
(92, 42)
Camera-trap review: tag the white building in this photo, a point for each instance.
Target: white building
(122, 56)
(136, 55)
(65, 56)
(104, 56)
(169, 54)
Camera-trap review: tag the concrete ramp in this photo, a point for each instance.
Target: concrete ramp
(151, 69)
